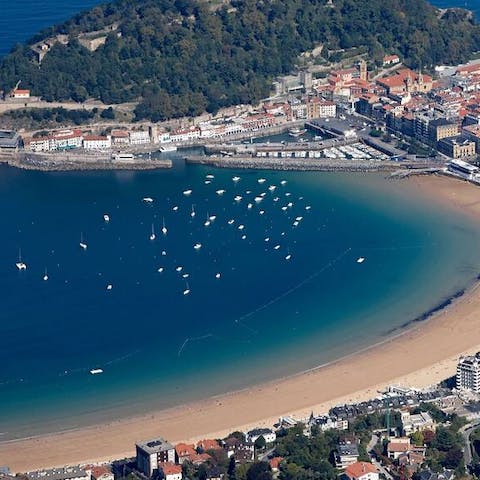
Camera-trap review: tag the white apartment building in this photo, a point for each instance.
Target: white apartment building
(468, 373)
(139, 137)
(97, 142)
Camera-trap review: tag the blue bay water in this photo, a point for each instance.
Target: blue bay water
(265, 317)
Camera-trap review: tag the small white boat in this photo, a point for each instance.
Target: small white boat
(288, 194)
(263, 194)
(288, 257)
(164, 228)
(175, 208)
(283, 182)
(248, 192)
(197, 246)
(284, 208)
(192, 213)
(220, 192)
(296, 223)
(261, 212)
(147, 199)
(179, 269)
(185, 275)
(299, 219)
(45, 276)
(276, 199)
(360, 259)
(231, 221)
(250, 205)
(168, 148)
(308, 207)
(212, 218)
(21, 265)
(164, 253)
(282, 234)
(236, 179)
(96, 371)
(276, 247)
(106, 217)
(290, 204)
(207, 223)
(187, 192)
(272, 188)
(207, 182)
(82, 243)
(244, 237)
(160, 270)
(152, 235)
(210, 176)
(109, 286)
(258, 199)
(187, 290)
(261, 180)
(267, 239)
(238, 198)
(241, 227)
(218, 275)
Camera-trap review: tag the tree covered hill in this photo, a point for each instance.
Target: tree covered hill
(179, 57)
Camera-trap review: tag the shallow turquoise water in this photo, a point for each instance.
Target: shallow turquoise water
(265, 317)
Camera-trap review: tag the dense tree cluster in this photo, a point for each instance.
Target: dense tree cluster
(58, 115)
(178, 58)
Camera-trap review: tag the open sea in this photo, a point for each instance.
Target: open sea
(253, 312)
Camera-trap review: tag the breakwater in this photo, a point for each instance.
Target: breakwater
(78, 161)
(305, 164)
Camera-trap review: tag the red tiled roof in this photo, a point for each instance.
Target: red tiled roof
(357, 469)
(100, 470)
(184, 449)
(398, 447)
(208, 444)
(170, 468)
(275, 462)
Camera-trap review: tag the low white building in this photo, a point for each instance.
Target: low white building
(185, 135)
(171, 471)
(65, 473)
(139, 137)
(97, 142)
(417, 422)
(61, 140)
(268, 434)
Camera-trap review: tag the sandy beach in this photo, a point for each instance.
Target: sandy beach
(421, 356)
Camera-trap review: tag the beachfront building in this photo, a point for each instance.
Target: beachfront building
(242, 451)
(9, 140)
(170, 471)
(99, 472)
(61, 140)
(468, 373)
(139, 137)
(153, 452)
(457, 147)
(97, 142)
(464, 170)
(361, 471)
(65, 473)
(253, 435)
(120, 137)
(417, 422)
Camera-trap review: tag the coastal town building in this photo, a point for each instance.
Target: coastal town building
(416, 422)
(60, 140)
(208, 444)
(468, 373)
(406, 81)
(215, 473)
(99, 472)
(319, 108)
(242, 451)
(21, 93)
(268, 434)
(170, 471)
(326, 422)
(153, 452)
(390, 60)
(457, 147)
(442, 128)
(275, 464)
(120, 137)
(9, 140)
(97, 142)
(139, 137)
(361, 471)
(346, 452)
(65, 473)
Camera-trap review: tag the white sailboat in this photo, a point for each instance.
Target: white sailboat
(187, 289)
(236, 179)
(210, 176)
(20, 265)
(207, 221)
(197, 246)
(187, 192)
(220, 192)
(164, 228)
(96, 371)
(109, 286)
(147, 199)
(360, 259)
(106, 217)
(218, 275)
(175, 208)
(192, 213)
(261, 180)
(152, 235)
(82, 243)
(45, 276)
(231, 221)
